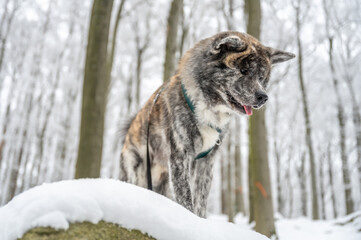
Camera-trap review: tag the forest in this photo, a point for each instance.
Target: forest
(73, 72)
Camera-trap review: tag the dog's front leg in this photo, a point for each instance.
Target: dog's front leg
(179, 168)
(203, 182)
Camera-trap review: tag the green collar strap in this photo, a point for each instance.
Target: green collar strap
(191, 106)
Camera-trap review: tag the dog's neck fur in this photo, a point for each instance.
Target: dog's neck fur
(217, 116)
(208, 117)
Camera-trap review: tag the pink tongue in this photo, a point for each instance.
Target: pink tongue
(248, 110)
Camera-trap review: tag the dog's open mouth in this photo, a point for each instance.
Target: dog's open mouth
(237, 106)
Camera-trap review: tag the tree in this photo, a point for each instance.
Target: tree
(171, 42)
(238, 169)
(230, 208)
(340, 115)
(277, 153)
(228, 13)
(330, 179)
(94, 92)
(29, 103)
(306, 112)
(110, 56)
(349, 55)
(141, 44)
(6, 20)
(260, 182)
(302, 178)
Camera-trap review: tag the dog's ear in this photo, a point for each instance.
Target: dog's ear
(229, 44)
(277, 56)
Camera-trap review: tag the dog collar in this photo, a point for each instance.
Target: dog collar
(191, 107)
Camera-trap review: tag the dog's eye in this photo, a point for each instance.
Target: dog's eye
(244, 71)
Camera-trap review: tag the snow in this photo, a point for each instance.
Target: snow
(304, 228)
(59, 204)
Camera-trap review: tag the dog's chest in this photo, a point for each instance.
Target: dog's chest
(210, 137)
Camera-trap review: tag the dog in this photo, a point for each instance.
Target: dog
(181, 126)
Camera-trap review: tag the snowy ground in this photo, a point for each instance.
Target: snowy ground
(58, 204)
(61, 203)
(306, 229)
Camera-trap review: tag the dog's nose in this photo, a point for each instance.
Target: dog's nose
(261, 97)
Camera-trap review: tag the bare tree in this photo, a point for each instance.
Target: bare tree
(258, 146)
(39, 164)
(29, 103)
(302, 178)
(141, 44)
(6, 22)
(330, 179)
(306, 112)
(228, 13)
(349, 56)
(322, 188)
(280, 205)
(340, 115)
(230, 207)
(110, 58)
(238, 169)
(94, 92)
(171, 42)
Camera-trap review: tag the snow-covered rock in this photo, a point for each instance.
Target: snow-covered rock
(58, 204)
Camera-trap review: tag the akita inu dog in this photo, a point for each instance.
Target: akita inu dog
(171, 143)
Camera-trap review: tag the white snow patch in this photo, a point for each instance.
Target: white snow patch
(59, 204)
(345, 228)
(303, 228)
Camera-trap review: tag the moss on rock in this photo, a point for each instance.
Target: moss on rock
(86, 231)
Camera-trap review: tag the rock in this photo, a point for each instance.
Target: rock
(86, 231)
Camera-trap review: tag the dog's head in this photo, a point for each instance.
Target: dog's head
(233, 69)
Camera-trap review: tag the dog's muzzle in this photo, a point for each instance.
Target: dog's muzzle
(261, 98)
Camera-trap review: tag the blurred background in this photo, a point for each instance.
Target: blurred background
(308, 136)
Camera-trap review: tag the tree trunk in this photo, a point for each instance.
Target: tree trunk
(342, 129)
(261, 183)
(94, 93)
(228, 13)
(4, 35)
(110, 58)
(129, 96)
(222, 185)
(288, 179)
(29, 105)
(258, 146)
(138, 72)
(322, 188)
(252, 12)
(251, 192)
(280, 204)
(303, 179)
(356, 118)
(330, 177)
(340, 116)
(171, 44)
(306, 111)
(238, 169)
(230, 211)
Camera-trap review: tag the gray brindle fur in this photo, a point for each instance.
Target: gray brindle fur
(222, 75)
